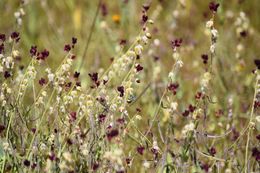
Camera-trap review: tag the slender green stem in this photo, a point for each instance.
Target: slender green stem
(250, 121)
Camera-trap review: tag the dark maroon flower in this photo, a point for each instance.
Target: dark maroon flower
(2, 128)
(52, 156)
(33, 50)
(122, 42)
(93, 76)
(76, 74)
(213, 6)
(198, 95)
(138, 67)
(95, 166)
(2, 37)
(155, 153)
(2, 48)
(121, 90)
(144, 18)
(42, 81)
(73, 116)
(138, 110)
(120, 171)
(43, 55)
(243, 33)
(15, 35)
(205, 58)
(112, 133)
(74, 40)
(128, 160)
(69, 141)
(104, 10)
(186, 113)
(256, 153)
(73, 56)
(140, 150)
(256, 104)
(26, 163)
(176, 43)
(192, 108)
(34, 165)
(258, 137)
(173, 88)
(156, 58)
(101, 118)
(146, 7)
(205, 167)
(212, 151)
(257, 63)
(7, 74)
(68, 85)
(55, 130)
(78, 83)
(67, 48)
(120, 120)
(33, 130)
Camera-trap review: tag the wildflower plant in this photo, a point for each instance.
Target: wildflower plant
(169, 99)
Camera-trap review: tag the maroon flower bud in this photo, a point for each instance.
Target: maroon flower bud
(205, 58)
(258, 137)
(101, 118)
(243, 33)
(257, 63)
(43, 55)
(42, 81)
(120, 120)
(212, 151)
(2, 37)
(198, 95)
(186, 113)
(192, 108)
(33, 50)
(26, 163)
(144, 18)
(173, 88)
(205, 167)
(15, 35)
(104, 10)
(146, 7)
(33, 130)
(213, 6)
(112, 133)
(74, 40)
(76, 75)
(2, 128)
(121, 90)
(73, 116)
(2, 48)
(67, 48)
(7, 74)
(122, 42)
(138, 67)
(176, 43)
(95, 166)
(140, 150)
(93, 76)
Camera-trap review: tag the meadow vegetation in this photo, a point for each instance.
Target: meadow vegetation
(129, 86)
